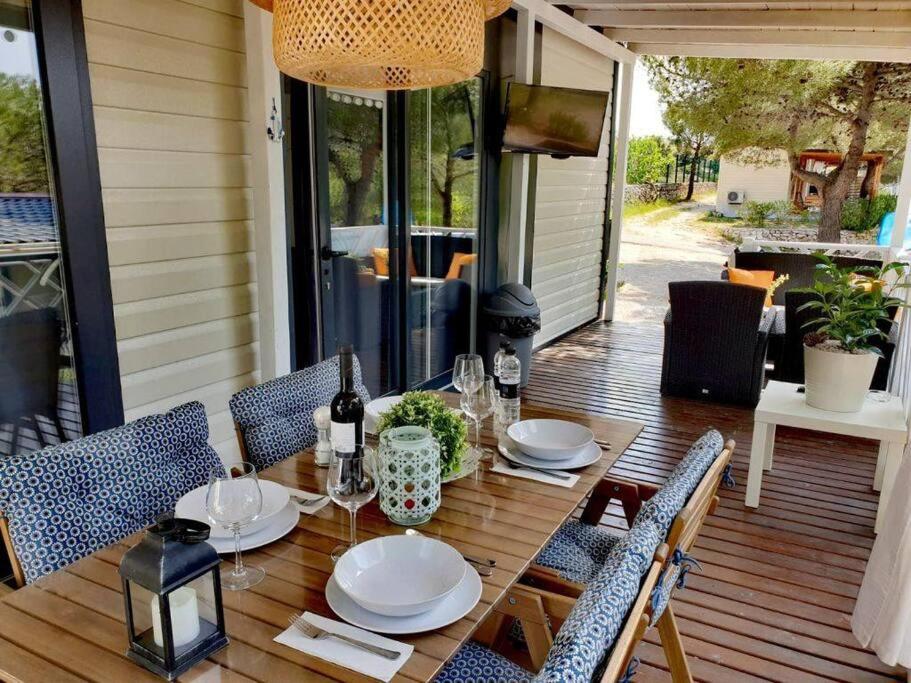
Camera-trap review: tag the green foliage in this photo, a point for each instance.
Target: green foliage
(757, 214)
(860, 215)
(634, 209)
(355, 164)
(23, 164)
(648, 159)
(717, 217)
(853, 303)
(423, 409)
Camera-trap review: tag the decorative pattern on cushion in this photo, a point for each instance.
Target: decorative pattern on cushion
(589, 631)
(578, 550)
(475, 663)
(664, 506)
(67, 501)
(276, 418)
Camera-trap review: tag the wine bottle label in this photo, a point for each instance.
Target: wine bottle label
(343, 437)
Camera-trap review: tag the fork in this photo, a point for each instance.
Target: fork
(307, 629)
(307, 502)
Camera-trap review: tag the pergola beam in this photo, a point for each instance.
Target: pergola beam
(569, 26)
(821, 20)
(873, 39)
(774, 51)
(764, 4)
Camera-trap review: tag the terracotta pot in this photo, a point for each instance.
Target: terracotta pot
(837, 381)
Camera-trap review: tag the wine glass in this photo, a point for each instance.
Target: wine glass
(478, 403)
(466, 364)
(351, 484)
(234, 500)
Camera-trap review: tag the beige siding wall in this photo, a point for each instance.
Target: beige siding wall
(169, 89)
(570, 205)
(768, 183)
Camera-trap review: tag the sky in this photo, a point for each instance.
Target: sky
(645, 115)
(17, 57)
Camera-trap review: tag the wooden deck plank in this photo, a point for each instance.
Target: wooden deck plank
(775, 596)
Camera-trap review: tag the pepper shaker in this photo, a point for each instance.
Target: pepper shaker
(322, 419)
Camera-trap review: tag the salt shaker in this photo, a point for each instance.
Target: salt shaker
(322, 419)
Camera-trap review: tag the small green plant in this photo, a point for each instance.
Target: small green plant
(731, 236)
(860, 215)
(757, 214)
(852, 304)
(717, 217)
(423, 409)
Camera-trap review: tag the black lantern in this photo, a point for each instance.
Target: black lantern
(172, 594)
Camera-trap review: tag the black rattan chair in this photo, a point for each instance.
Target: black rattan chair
(715, 341)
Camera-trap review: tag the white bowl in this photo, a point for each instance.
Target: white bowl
(193, 506)
(399, 576)
(374, 409)
(550, 439)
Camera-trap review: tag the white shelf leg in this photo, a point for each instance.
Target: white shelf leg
(880, 465)
(760, 451)
(769, 447)
(894, 451)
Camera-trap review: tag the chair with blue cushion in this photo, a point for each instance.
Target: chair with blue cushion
(274, 420)
(599, 629)
(67, 501)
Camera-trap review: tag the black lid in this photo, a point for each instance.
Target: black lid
(512, 300)
(345, 350)
(504, 344)
(510, 351)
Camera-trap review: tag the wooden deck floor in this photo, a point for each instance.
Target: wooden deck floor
(775, 596)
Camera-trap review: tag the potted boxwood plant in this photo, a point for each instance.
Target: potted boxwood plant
(855, 307)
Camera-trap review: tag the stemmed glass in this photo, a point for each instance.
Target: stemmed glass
(351, 484)
(234, 500)
(478, 402)
(466, 364)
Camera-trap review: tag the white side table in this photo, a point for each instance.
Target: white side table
(782, 404)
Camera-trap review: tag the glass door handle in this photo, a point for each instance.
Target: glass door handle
(327, 253)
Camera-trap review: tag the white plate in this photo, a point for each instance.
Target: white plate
(279, 526)
(455, 606)
(583, 457)
(375, 408)
(550, 439)
(193, 506)
(399, 576)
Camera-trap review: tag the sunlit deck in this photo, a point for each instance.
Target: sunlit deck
(775, 596)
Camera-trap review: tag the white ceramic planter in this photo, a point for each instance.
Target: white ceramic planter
(837, 381)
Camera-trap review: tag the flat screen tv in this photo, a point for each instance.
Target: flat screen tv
(562, 122)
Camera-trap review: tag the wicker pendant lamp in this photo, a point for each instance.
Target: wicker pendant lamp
(379, 44)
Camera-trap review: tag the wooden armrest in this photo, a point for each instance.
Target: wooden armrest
(550, 580)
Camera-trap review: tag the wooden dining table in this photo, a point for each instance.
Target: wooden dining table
(69, 625)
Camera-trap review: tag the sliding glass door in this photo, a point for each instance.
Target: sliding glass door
(396, 252)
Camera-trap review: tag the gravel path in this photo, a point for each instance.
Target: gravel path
(655, 251)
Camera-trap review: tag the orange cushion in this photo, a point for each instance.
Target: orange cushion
(381, 262)
(459, 259)
(754, 278)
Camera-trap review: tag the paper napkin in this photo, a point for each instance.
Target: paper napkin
(503, 468)
(345, 655)
(309, 495)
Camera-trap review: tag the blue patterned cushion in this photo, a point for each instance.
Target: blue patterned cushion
(664, 506)
(276, 417)
(587, 635)
(475, 663)
(578, 550)
(65, 502)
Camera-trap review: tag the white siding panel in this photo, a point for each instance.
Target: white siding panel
(763, 183)
(570, 202)
(169, 91)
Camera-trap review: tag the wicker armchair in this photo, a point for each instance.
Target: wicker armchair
(715, 342)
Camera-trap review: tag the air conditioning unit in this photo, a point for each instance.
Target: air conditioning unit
(736, 196)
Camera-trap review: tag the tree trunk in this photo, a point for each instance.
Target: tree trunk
(866, 187)
(694, 164)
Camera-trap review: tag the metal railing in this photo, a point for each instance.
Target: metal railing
(30, 277)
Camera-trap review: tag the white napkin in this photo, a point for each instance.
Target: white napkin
(308, 495)
(503, 468)
(341, 653)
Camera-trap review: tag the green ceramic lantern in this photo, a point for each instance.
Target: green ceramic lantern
(410, 475)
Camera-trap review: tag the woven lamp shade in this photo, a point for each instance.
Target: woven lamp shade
(265, 4)
(494, 8)
(379, 44)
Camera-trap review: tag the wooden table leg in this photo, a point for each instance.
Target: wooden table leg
(760, 458)
(893, 458)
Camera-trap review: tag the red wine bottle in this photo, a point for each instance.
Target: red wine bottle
(347, 429)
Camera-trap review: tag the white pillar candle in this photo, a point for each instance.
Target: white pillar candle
(184, 617)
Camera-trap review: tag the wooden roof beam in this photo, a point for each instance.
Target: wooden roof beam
(873, 39)
(848, 20)
(773, 51)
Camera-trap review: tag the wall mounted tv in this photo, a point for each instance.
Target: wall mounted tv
(562, 122)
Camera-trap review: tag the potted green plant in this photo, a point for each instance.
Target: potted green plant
(423, 409)
(855, 307)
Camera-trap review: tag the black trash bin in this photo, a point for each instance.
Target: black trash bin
(510, 313)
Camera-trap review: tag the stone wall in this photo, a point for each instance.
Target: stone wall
(650, 192)
(803, 235)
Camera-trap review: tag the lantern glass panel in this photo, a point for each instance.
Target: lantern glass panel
(141, 609)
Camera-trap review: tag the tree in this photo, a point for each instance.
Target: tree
(23, 165)
(692, 142)
(648, 158)
(753, 107)
(355, 154)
